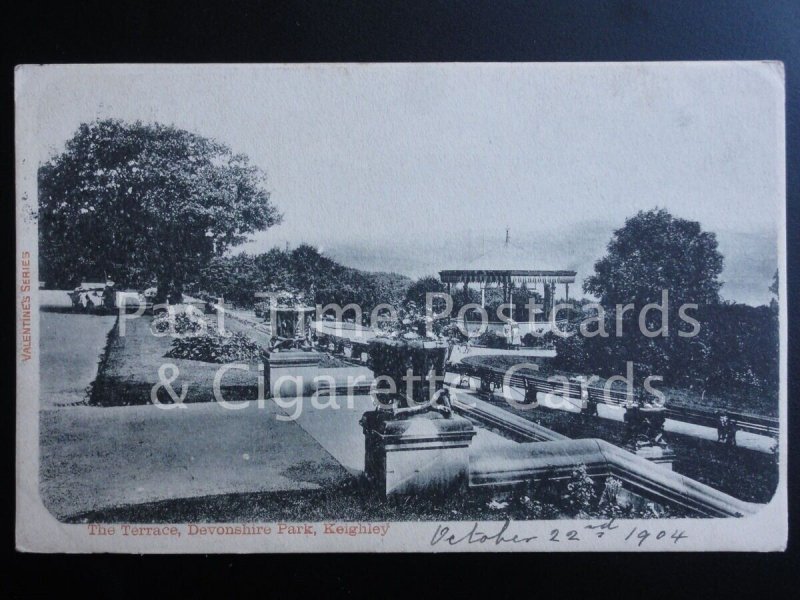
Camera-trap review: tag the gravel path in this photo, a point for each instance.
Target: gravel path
(95, 458)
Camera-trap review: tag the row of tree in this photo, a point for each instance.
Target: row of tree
(303, 271)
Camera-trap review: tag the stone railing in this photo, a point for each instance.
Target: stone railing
(502, 421)
(553, 460)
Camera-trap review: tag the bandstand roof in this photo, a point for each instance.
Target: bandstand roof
(507, 264)
(500, 275)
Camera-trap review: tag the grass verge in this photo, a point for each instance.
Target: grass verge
(129, 371)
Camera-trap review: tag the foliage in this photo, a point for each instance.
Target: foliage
(412, 322)
(739, 349)
(491, 339)
(655, 251)
(529, 340)
(145, 203)
(521, 297)
(390, 287)
(579, 494)
(735, 350)
(287, 299)
(736, 347)
(303, 271)
(179, 322)
(231, 277)
(215, 348)
(418, 290)
(451, 332)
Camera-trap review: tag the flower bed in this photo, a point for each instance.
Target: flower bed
(215, 348)
(181, 323)
(130, 370)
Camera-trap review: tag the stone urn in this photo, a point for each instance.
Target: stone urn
(414, 443)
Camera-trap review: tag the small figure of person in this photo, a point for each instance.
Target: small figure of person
(516, 341)
(309, 330)
(654, 421)
(530, 391)
(75, 297)
(722, 427)
(463, 381)
(632, 423)
(109, 296)
(507, 333)
(590, 402)
(730, 431)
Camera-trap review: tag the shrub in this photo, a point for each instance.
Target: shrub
(580, 495)
(215, 348)
(181, 323)
(261, 309)
(492, 339)
(609, 504)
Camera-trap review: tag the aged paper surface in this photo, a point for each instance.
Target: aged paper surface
(401, 308)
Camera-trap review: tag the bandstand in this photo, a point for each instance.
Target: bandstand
(506, 269)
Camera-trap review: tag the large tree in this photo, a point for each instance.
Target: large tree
(652, 253)
(735, 348)
(142, 203)
(655, 251)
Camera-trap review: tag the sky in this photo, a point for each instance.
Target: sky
(416, 168)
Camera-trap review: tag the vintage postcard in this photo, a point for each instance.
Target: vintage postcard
(401, 307)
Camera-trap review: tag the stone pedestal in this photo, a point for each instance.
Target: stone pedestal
(294, 358)
(661, 455)
(424, 454)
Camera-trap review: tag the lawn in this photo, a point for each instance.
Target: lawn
(130, 369)
(70, 347)
(348, 502)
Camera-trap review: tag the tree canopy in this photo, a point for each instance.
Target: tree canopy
(144, 203)
(655, 251)
(418, 290)
(734, 349)
(303, 270)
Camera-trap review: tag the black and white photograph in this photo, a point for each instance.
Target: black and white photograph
(401, 307)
